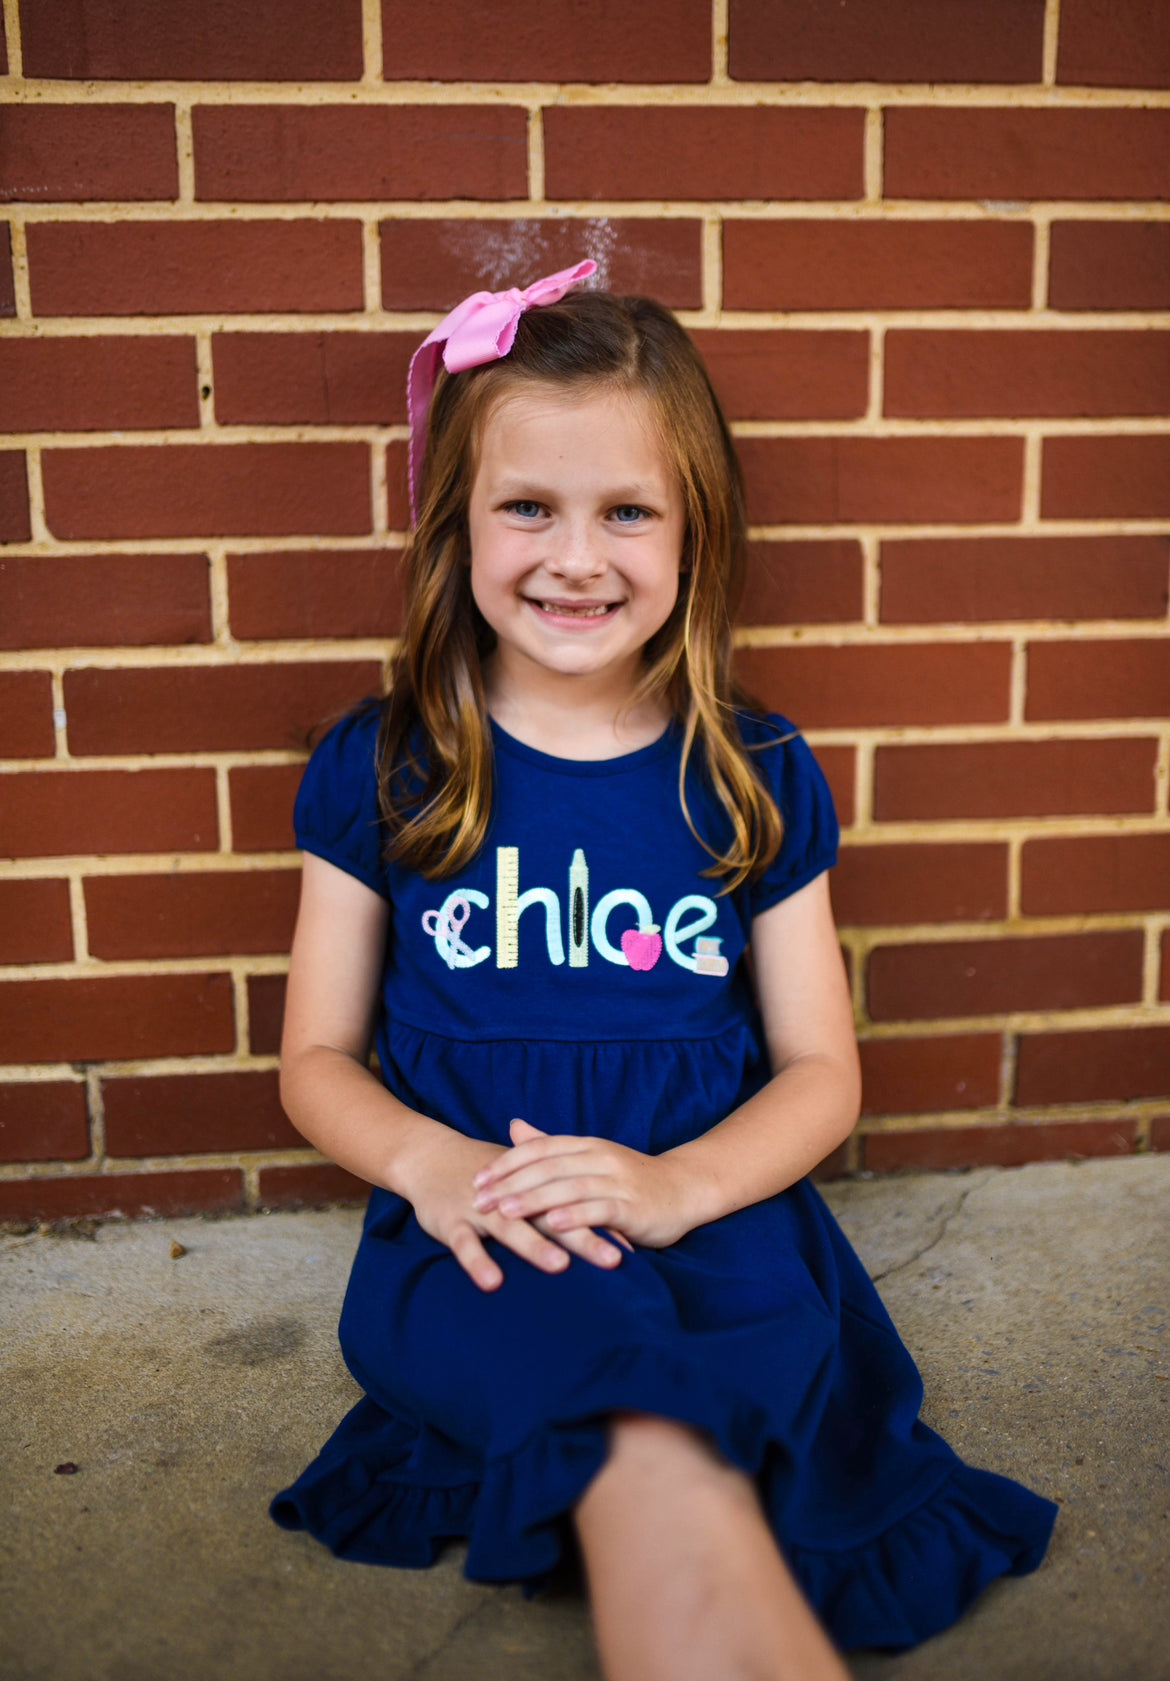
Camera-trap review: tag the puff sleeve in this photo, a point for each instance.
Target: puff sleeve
(797, 784)
(336, 811)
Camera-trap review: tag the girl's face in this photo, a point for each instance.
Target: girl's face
(576, 523)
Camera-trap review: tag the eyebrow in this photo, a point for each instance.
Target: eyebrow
(530, 489)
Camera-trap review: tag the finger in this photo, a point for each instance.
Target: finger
(618, 1238)
(525, 1129)
(474, 1258)
(602, 1212)
(524, 1240)
(532, 1150)
(553, 1191)
(589, 1246)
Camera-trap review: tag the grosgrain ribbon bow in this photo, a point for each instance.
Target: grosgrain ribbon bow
(480, 329)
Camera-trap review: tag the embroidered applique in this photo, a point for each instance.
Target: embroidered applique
(642, 946)
(446, 926)
(638, 948)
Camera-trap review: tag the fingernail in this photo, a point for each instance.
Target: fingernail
(510, 1205)
(482, 1176)
(482, 1201)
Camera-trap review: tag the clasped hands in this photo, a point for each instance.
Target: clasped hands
(549, 1196)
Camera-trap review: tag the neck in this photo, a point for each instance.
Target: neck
(575, 717)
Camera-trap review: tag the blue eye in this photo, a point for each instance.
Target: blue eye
(526, 510)
(629, 513)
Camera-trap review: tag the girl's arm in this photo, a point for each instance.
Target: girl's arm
(335, 1101)
(807, 1108)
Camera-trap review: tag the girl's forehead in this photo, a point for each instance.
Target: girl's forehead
(593, 417)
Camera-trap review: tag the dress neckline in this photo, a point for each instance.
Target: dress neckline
(615, 766)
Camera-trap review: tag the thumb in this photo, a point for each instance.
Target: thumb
(521, 1130)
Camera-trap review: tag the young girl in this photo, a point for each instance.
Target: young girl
(575, 890)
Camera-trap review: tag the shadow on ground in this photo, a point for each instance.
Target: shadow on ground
(186, 1390)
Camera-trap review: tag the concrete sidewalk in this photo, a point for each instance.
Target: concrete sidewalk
(187, 1390)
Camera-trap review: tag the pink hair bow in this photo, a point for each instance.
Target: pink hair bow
(480, 329)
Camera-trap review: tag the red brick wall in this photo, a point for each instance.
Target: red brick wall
(926, 250)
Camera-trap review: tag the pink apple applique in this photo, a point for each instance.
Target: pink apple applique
(642, 947)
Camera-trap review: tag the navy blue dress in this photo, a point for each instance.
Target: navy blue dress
(582, 973)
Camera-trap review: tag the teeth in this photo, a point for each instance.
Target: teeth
(576, 612)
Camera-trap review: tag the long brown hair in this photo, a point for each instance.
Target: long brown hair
(435, 750)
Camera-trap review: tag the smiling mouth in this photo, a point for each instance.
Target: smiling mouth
(576, 610)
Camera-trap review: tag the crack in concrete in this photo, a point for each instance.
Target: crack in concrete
(418, 1670)
(944, 1221)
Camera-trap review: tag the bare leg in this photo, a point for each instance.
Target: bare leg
(686, 1580)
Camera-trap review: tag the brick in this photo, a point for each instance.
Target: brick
(194, 1114)
(1128, 678)
(840, 767)
(998, 1146)
(1112, 477)
(1109, 265)
(1073, 874)
(827, 688)
(194, 268)
(1160, 1132)
(615, 41)
(325, 379)
(35, 925)
(433, 264)
(1113, 43)
(7, 281)
(115, 1016)
(44, 1121)
(72, 812)
(98, 384)
(216, 914)
(266, 1013)
(208, 490)
(1014, 779)
(275, 153)
(903, 41)
(802, 583)
(211, 708)
(1016, 153)
(323, 593)
(883, 885)
(983, 374)
(984, 977)
(217, 1190)
(704, 152)
(83, 152)
(858, 480)
(103, 600)
(970, 579)
(169, 40)
(915, 1076)
(841, 264)
(787, 375)
(1107, 1065)
(26, 715)
(262, 804)
(14, 517)
(310, 1186)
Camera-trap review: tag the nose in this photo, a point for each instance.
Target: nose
(576, 553)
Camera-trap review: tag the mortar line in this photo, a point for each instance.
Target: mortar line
(877, 374)
(1041, 252)
(874, 154)
(78, 918)
(38, 523)
(535, 142)
(863, 772)
(205, 376)
(1050, 43)
(1162, 775)
(223, 809)
(18, 247)
(712, 267)
(720, 27)
(372, 45)
(1015, 850)
(1018, 682)
(217, 582)
(1033, 465)
(871, 576)
(13, 41)
(185, 150)
(96, 1106)
(1151, 964)
(372, 266)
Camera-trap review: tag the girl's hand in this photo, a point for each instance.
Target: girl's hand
(572, 1183)
(438, 1185)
